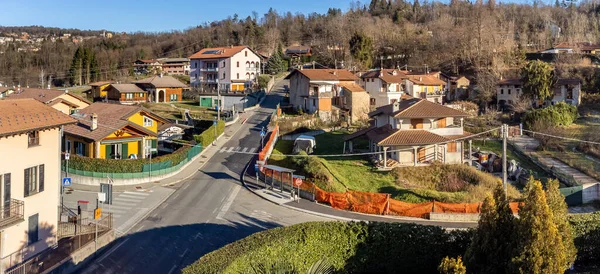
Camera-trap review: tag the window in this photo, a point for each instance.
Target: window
(34, 180)
(195, 64)
(68, 146)
(223, 75)
(223, 64)
(501, 91)
(238, 64)
(114, 151)
(452, 147)
(147, 122)
(141, 95)
(128, 96)
(416, 123)
(509, 91)
(32, 232)
(238, 76)
(173, 97)
(79, 149)
(246, 53)
(394, 101)
(372, 101)
(33, 138)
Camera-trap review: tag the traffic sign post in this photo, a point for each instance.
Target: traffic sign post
(215, 126)
(256, 171)
(66, 181)
(262, 137)
(297, 182)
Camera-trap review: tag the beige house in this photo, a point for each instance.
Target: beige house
(565, 90)
(426, 86)
(415, 132)
(313, 90)
(351, 102)
(63, 101)
(29, 178)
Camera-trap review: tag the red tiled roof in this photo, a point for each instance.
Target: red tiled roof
(352, 87)
(325, 74)
(412, 137)
(387, 75)
(162, 82)
(23, 115)
(426, 80)
(42, 95)
(215, 53)
(426, 109)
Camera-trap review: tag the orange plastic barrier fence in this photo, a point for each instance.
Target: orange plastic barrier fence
(400, 208)
(365, 202)
(262, 154)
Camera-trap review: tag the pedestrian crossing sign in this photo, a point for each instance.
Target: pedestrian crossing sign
(66, 181)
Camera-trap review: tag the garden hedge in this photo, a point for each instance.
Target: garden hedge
(349, 247)
(586, 229)
(124, 165)
(208, 136)
(560, 114)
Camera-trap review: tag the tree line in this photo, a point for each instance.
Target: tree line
(480, 39)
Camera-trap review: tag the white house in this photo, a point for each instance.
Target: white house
(385, 86)
(232, 68)
(566, 90)
(415, 132)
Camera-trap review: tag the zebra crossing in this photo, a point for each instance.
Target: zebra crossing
(124, 202)
(238, 149)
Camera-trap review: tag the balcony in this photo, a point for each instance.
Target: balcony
(209, 69)
(12, 214)
(209, 81)
(252, 69)
(448, 131)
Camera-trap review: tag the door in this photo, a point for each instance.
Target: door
(416, 123)
(421, 154)
(441, 123)
(206, 102)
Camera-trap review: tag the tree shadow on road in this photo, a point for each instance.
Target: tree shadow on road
(172, 248)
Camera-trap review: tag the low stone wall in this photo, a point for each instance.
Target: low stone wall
(590, 193)
(454, 217)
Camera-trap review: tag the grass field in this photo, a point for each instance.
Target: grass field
(165, 110)
(338, 174)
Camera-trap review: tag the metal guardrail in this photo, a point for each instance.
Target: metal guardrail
(12, 214)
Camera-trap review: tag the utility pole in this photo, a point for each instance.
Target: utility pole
(504, 167)
(42, 78)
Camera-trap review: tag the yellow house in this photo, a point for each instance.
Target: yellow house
(63, 101)
(29, 178)
(99, 89)
(113, 131)
(426, 87)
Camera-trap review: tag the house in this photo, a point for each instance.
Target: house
(298, 51)
(509, 91)
(459, 88)
(384, 86)
(313, 89)
(63, 101)
(147, 66)
(126, 94)
(233, 68)
(99, 90)
(426, 87)
(162, 89)
(29, 178)
(577, 47)
(351, 102)
(113, 131)
(415, 132)
(175, 66)
(5, 91)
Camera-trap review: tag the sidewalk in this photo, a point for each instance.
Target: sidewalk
(284, 199)
(530, 145)
(133, 203)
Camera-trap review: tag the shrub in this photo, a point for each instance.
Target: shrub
(468, 107)
(208, 136)
(349, 248)
(560, 114)
(263, 81)
(124, 165)
(586, 229)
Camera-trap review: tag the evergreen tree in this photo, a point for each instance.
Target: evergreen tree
(452, 266)
(492, 246)
(87, 65)
(540, 248)
(76, 69)
(558, 206)
(275, 64)
(361, 48)
(538, 80)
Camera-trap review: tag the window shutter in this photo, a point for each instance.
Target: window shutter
(7, 195)
(32, 232)
(108, 151)
(26, 184)
(154, 143)
(41, 178)
(124, 148)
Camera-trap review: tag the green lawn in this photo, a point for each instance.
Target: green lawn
(355, 173)
(167, 111)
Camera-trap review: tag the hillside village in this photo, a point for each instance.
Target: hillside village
(179, 150)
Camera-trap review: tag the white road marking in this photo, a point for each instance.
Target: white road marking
(117, 207)
(230, 149)
(172, 269)
(244, 150)
(136, 193)
(252, 150)
(222, 150)
(227, 204)
(122, 202)
(139, 198)
(141, 227)
(237, 148)
(183, 255)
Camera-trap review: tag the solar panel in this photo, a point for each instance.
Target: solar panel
(211, 52)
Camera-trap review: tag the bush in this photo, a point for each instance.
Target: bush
(349, 248)
(124, 165)
(208, 136)
(468, 107)
(263, 81)
(560, 114)
(586, 229)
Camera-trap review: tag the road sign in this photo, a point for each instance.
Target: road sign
(67, 156)
(66, 181)
(101, 197)
(217, 107)
(97, 213)
(297, 182)
(256, 168)
(214, 122)
(262, 133)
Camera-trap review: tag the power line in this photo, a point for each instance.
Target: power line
(563, 138)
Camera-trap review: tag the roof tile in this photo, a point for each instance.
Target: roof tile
(22, 115)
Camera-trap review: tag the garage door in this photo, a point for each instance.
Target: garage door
(206, 102)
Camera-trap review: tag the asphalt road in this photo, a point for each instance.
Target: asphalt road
(206, 212)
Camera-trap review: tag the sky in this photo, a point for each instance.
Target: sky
(145, 15)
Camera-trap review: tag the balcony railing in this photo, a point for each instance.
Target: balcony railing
(12, 214)
(208, 81)
(252, 69)
(209, 69)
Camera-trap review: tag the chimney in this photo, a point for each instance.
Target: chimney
(160, 75)
(420, 79)
(94, 121)
(230, 46)
(396, 106)
(66, 91)
(394, 73)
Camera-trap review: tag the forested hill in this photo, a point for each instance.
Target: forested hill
(42, 31)
(481, 39)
